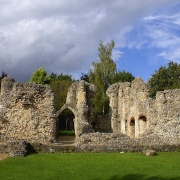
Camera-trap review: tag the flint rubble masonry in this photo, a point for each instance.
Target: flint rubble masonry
(136, 121)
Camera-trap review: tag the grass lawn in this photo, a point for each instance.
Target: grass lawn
(93, 166)
(66, 132)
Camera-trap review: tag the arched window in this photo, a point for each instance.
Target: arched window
(142, 124)
(132, 127)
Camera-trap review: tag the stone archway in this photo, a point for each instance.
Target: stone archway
(142, 124)
(65, 121)
(132, 127)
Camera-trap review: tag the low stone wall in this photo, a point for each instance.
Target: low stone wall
(3, 149)
(50, 148)
(117, 142)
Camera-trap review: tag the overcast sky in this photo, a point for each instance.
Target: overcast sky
(63, 36)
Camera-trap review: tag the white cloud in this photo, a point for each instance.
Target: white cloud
(63, 35)
(160, 31)
(116, 54)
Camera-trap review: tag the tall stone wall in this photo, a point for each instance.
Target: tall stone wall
(130, 106)
(79, 101)
(26, 112)
(138, 122)
(166, 116)
(135, 114)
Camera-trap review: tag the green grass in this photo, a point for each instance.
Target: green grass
(92, 166)
(66, 132)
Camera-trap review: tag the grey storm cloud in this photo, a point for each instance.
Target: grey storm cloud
(63, 36)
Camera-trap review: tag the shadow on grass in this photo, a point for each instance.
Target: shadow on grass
(141, 177)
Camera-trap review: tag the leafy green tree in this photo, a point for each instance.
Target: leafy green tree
(60, 88)
(102, 76)
(123, 76)
(58, 83)
(64, 77)
(53, 76)
(165, 78)
(40, 76)
(60, 77)
(85, 77)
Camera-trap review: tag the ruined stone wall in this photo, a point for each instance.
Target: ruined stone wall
(79, 101)
(117, 142)
(26, 112)
(137, 121)
(165, 120)
(135, 114)
(131, 107)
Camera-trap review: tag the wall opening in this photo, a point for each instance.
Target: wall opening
(65, 126)
(142, 124)
(119, 125)
(132, 127)
(126, 126)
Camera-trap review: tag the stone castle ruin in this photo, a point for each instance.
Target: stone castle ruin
(136, 121)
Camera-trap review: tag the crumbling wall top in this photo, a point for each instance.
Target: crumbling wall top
(7, 84)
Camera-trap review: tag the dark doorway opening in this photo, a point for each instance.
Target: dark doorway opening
(142, 124)
(66, 123)
(132, 127)
(65, 128)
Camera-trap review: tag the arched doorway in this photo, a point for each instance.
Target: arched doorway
(132, 127)
(66, 122)
(142, 124)
(65, 126)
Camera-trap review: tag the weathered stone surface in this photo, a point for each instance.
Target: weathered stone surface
(26, 112)
(79, 101)
(150, 152)
(137, 121)
(17, 148)
(134, 113)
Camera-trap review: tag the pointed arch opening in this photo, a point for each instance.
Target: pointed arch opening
(66, 120)
(132, 127)
(142, 124)
(65, 126)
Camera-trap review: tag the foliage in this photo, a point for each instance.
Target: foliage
(102, 76)
(85, 77)
(60, 89)
(165, 78)
(65, 77)
(58, 83)
(123, 76)
(40, 76)
(88, 166)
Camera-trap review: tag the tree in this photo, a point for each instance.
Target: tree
(123, 76)
(64, 77)
(60, 89)
(60, 85)
(53, 76)
(40, 76)
(85, 77)
(165, 78)
(102, 76)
